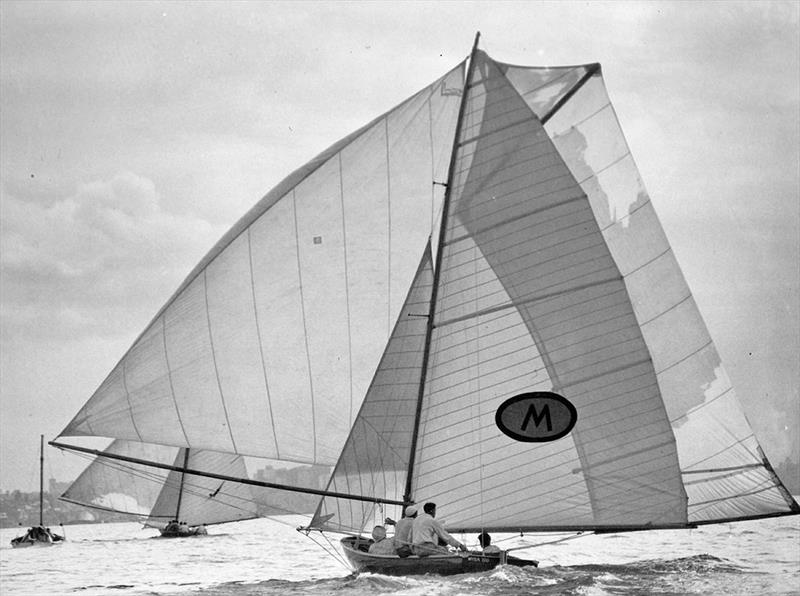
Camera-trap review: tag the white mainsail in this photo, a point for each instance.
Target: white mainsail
(555, 275)
(158, 496)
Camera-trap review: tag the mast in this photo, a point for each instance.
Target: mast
(180, 489)
(41, 480)
(437, 268)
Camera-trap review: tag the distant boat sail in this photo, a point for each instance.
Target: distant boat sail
(548, 369)
(158, 497)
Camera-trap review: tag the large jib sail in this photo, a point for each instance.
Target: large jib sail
(268, 347)
(156, 496)
(555, 276)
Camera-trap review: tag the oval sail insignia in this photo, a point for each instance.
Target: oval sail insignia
(536, 417)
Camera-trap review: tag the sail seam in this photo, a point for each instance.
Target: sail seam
(494, 131)
(700, 407)
(726, 448)
(128, 398)
(305, 326)
(214, 361)
(685, 358)
(261, 344)
(736, 496)
(516, 219)
(516, 304)
(169, 377)
(346, 289)
(388, 232)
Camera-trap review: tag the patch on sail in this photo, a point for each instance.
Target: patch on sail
(536, 417)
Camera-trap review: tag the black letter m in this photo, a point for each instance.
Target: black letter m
(537, 418)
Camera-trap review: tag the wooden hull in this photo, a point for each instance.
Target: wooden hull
(449, 564)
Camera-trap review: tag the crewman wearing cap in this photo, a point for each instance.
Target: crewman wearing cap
(402, 532)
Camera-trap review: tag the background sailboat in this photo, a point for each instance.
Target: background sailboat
(158, 497)
(39, 535)
(550, 274)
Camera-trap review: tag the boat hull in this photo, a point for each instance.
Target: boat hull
(445, 564)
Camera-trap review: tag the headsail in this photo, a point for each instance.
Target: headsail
(153, 495)
(556, 276)
(268, 347)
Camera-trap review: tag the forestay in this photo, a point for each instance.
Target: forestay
(555, 275)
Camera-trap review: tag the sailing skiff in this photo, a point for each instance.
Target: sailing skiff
(468, 301)
(175, 503)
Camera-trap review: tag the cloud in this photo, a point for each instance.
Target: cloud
(91, 262)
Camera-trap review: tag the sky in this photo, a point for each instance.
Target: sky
(132, 135)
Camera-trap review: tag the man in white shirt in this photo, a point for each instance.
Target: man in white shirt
(402, 531)
(426, 533)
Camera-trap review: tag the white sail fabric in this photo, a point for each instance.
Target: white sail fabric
(530, 299)
(152, 493)
(120, 486)
(556, 276)
(375, 459)
(725, 473)
(268, 347)
(202, 500)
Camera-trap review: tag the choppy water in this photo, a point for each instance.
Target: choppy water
(266, 557)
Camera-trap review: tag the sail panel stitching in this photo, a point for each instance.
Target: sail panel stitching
(261, 345)
(214, 362)
(305, 325)
(169, 377)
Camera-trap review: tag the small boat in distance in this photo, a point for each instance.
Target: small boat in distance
(39, 535)
(176, 503)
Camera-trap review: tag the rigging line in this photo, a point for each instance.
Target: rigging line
(571, 537)
(169, 377)
(535, 298)
(214, 361)
(261, 343)
(346, 289)
(305, 326)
